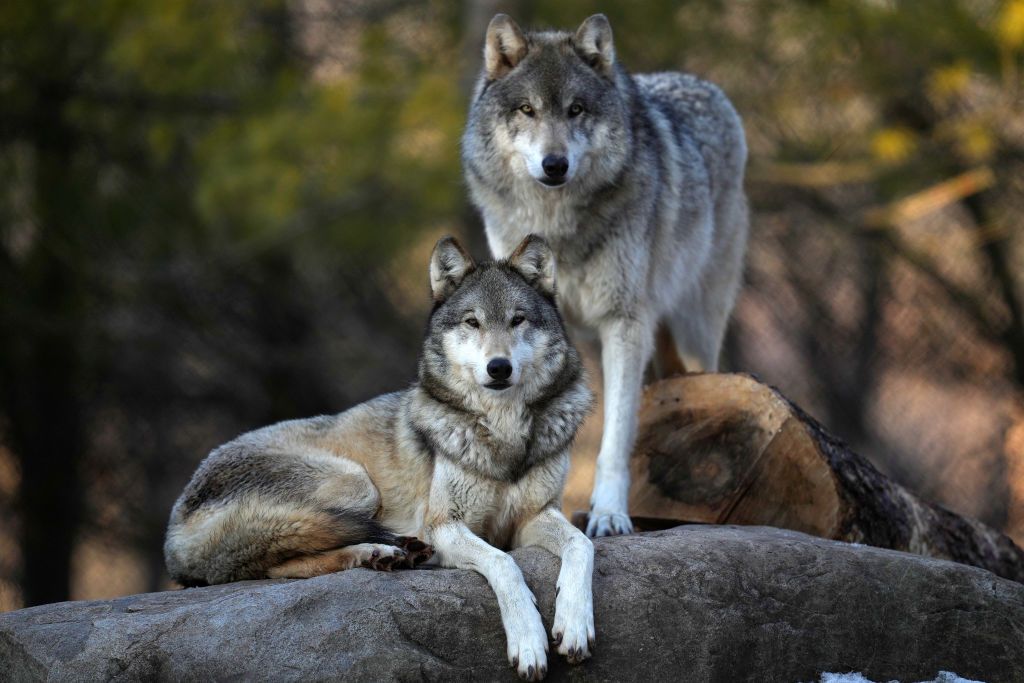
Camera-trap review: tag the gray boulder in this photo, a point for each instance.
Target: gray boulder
(696, 603)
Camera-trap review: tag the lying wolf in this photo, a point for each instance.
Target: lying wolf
(636, 182)
(472, 458)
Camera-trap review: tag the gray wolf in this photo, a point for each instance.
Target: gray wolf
(636, 182)
(472, 458)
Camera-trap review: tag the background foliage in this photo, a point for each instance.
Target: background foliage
(217, 215)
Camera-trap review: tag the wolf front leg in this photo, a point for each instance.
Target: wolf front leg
(527, 643)
(625, 349)
(573, 630)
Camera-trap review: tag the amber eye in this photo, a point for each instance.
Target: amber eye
(472, 322)
(518, 319)
(576, 109)
(526, 109)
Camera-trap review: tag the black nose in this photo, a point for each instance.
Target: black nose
(555, 166)
(499, 368)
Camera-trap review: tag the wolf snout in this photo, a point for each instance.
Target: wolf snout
(499, 369)
(555, 167)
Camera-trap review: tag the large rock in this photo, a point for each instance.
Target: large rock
(694, 603)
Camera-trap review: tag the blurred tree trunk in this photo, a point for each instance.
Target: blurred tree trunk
(845, 364)
(475, 16)
(43, 396)
(994, 249)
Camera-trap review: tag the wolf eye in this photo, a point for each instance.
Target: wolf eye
(472, 322)
(526, 109)
(518, 319)
(575, 110)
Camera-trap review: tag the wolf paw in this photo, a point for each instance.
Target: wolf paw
(380, 556)
(573, 630)
(608, 524)
(417, 552)
(528, 646)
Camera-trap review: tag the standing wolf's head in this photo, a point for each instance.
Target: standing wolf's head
(494, 333)
(549, 107)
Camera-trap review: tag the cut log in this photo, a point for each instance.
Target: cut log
(727, 449)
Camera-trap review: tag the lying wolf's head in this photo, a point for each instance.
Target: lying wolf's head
(549, 106)
(495, 332)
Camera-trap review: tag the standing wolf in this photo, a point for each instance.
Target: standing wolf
(473, 456)
(636, 182)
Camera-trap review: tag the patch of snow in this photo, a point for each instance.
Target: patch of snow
(854, 677)
(849, 677)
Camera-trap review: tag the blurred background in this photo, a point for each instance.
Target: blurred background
(217, 215)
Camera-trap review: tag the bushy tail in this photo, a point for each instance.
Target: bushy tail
(242, 540)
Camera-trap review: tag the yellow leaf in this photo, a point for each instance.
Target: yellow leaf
(893, 145)
(975, 140)
(1010, 25)
(948, 81)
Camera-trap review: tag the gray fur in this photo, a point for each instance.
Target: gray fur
(444, 415)
(650, 227)
(469, 459)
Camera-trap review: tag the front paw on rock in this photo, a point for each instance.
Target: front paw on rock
(528, 653)
(530, 665)
(575, 650)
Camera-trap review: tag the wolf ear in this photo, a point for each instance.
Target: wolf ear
(594, 42)
(505, 46)
(535, 261)
(449, 264)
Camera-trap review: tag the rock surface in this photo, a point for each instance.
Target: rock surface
(694, 603)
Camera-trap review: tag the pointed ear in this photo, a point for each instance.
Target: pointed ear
(594, 43)
(449, 264)
(535, 261)
(504, 48)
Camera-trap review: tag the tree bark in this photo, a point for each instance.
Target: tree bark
(726, 449)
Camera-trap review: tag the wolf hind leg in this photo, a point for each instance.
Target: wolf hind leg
(697, 342)
(380, 556)
(700, 318)
(308, 503)
(666, 361)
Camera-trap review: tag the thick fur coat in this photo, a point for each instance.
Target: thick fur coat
(470, 460)
(636, 182)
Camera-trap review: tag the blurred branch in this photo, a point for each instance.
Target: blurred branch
(931, 199)
(823, 174)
